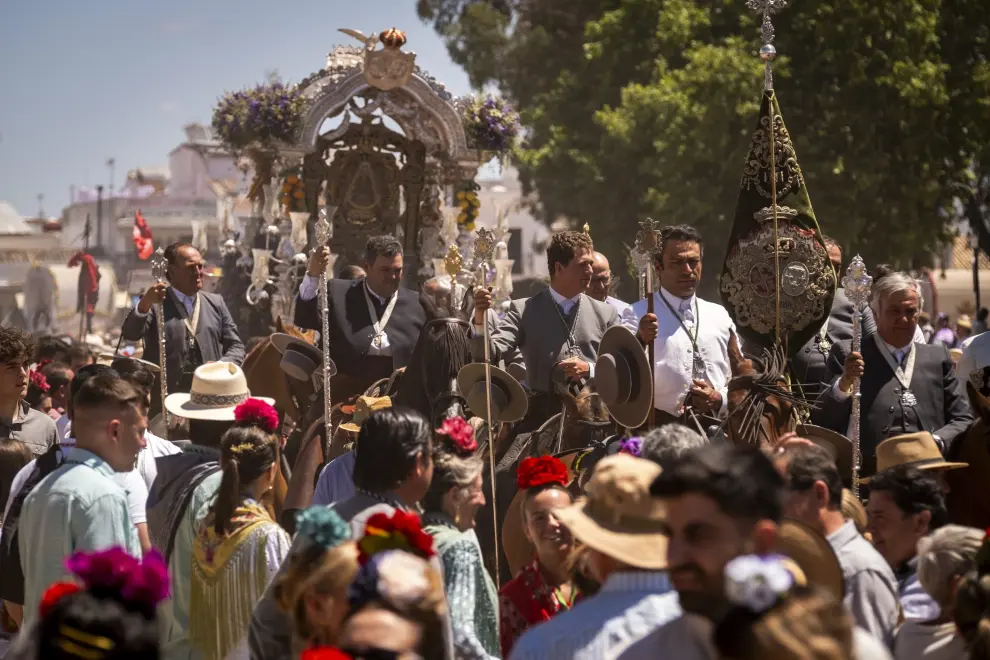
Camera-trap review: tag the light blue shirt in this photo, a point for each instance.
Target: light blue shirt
(336, 482)
(174, 612)
(79, 506)
(629, 607)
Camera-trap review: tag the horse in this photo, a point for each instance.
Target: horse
(761, 406)
(966, 500)
(265, 377)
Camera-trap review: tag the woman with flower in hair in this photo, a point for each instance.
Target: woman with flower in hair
(451, 506)
(312, 589)
(238, 547)
(543, 587)
(108, 613)
(38, 396)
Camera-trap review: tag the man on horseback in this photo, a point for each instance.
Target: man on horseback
(691, 335)
(198, 326)
(557, 330)
(374, 322)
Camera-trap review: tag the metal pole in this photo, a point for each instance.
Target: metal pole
(321, 233)
(856, 285)
(976, 271)
(158, 268)
(484, 246)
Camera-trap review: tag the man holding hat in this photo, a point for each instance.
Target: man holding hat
(621, 527)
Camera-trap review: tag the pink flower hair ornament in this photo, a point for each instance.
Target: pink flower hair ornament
(38, 379)
(140, 582)
(460, 433)
(259, 413)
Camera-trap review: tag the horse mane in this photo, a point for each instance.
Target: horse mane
(761, 378)
(442, 349)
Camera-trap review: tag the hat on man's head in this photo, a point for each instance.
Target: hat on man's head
(964, 322)
(618, 517)
(916, 449)
(300, 359)
(813, 554)
(623, 377)
(838, 446)
(509, 401)
(217, 388)
(362, 410)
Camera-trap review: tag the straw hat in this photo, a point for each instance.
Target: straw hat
(109, 358)
(217, 388)
(955, 354)
(618, 517)
(623, 377)
(509, 400)
(300, 359)
(837, 445)
(363, 407)
(964, 322)
(813, 554)
(917, 449)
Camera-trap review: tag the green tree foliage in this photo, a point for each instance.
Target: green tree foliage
(645, 107)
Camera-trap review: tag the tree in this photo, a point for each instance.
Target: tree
(645, 107)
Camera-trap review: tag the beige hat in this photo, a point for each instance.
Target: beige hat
(964, 322)
(837, 445)
(813, 554)
(917, 449)
(618, 517)
(363, 407)
(217, 388)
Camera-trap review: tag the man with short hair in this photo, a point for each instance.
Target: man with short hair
(557, 331)
(401, 482)
(18, 420)
(198, 327)
(906, 387)
(620, 526)
(601, 284)
(374, 321)
(814, 496)
(906, 504)
(59, 376)
(80, 356)
(691, 336)
(665, 444)
(80, 506)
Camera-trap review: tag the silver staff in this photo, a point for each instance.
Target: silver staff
(322, 232)
(857, 284)
(484, 246)
(158, 267)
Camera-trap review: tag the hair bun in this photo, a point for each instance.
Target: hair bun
(257, 412)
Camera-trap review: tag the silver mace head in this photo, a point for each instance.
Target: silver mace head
(159, 265)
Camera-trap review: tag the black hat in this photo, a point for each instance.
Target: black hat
(623, 377)
(509, 400)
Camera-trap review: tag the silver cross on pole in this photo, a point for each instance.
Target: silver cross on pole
(322, 231)
(856, 284)
(159, 266)
(768, 52)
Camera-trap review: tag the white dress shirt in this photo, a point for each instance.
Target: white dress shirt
(674, 352)
(619, 305)
(336, 482)
(309, 287)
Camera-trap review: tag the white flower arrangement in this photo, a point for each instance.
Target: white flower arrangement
(403, 579)
(757, 583)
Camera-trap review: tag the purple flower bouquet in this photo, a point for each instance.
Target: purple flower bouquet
(491, 124)
(258, 117)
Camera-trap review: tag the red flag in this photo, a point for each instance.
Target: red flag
(142, 236)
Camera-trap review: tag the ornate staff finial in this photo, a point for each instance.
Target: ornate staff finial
(857, 283)
(453, 262)
(484, 246)
(321, 230)
(159, 265)
(768, 52)
(648, 237)
(587, 229)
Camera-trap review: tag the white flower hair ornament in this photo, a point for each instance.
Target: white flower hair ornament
(757, 583)
(402, 578)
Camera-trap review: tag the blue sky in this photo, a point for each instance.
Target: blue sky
(85, 81)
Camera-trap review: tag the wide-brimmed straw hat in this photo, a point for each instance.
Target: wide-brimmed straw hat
(837, 445)
(109, 358)
(509, 400)
(363, 407)
(916, 449)
(813, 554)
(618, 517)
(623, 377)
(217, 388)
(300, 359)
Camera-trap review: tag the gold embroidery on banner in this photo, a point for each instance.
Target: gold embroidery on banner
(756, 171)
(806, 279)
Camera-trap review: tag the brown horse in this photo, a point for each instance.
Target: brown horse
(761, 406)
(265, 377)
(967, 501)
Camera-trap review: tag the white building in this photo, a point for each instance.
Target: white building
(528, 237)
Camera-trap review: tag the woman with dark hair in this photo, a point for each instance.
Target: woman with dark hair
(543, 588)
(238, 547)
(450, 507)
(112, 616)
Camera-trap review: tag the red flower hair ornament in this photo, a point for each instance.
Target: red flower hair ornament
(55, 593)
(541, 471)
(324, 653)
(461, 434)
(257, 412)
(400, 531)
(39, 381)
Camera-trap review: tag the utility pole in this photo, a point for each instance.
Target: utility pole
(82, 315)
(975, 244)
(41, 205)
(110, 165)
(99, 218)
